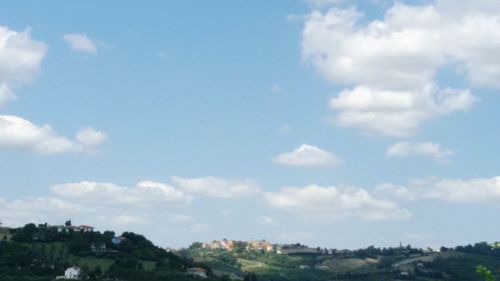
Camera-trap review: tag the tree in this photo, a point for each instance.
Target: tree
(486, 273)
(195, 245)
(26, 233)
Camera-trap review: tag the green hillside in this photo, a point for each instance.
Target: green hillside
(43, 252)
(401, 263)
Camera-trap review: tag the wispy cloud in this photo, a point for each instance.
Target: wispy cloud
(481, 190)
(330, 201)
(430, 150)
(81, 42)
(217, 187)
(308, 156)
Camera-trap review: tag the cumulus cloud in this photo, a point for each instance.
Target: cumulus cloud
(80, 42)
(104, 205)
(390, 65)
(396, 113)
(19, 133)
(145, 192)
(430, 150)
(449, 190)
(217, 187)
(40, 209)
(20, 60)
(330, 201)
(308, 156)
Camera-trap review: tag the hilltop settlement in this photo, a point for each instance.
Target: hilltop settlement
(45, 252)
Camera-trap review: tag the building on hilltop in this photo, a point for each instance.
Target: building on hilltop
(67, 228)
(224, 244)
(261, 245)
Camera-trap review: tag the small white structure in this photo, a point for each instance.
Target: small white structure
(197, 271)
(72, 273)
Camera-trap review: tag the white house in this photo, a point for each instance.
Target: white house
(72, 273)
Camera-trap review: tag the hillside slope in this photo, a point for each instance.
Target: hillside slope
(401, 263)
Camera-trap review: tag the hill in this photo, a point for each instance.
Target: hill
(43, 252)
(241, 260)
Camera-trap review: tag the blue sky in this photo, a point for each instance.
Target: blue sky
(333, 123)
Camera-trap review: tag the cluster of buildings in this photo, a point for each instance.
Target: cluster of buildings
(68, 226)
(223, 244)
(228, 245)
(76, 228)
(260, 245)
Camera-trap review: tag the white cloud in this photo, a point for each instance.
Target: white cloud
(330, 201)
(430, 150)
(145, 192)
(41, 209)
(80, 42)
(308, 156)
(105, 206)
(448, 190)
(19, 133)
(217, 187)
(20, 60)
(396, 113)
(390, 65)
(90, 137)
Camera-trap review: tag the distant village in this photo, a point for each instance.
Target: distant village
(285, 249)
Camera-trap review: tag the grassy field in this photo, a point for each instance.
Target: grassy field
(104, 264)
(342, 266)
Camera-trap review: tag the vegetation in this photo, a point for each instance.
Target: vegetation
(486, 273)
(371, 263)
(40, 253)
